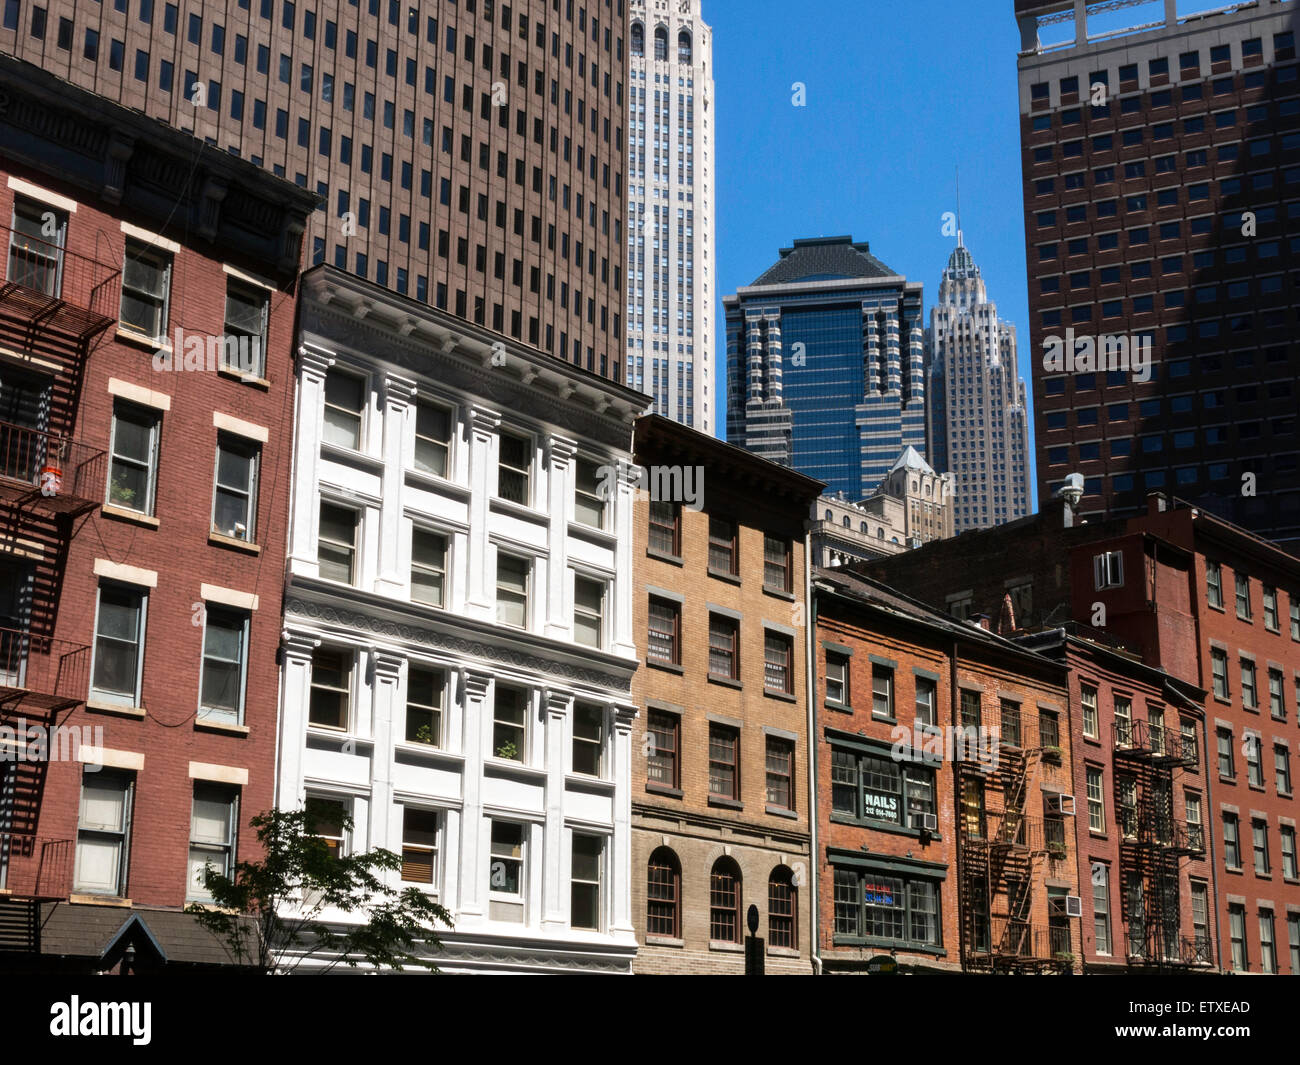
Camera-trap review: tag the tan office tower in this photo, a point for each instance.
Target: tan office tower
(470, 153)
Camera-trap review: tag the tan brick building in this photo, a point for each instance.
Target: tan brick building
(943, 789)
(721, 796)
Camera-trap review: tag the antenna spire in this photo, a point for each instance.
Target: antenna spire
(959, 234)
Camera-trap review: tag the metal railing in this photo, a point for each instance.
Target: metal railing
(60, 469)
(46, 284)
(58, 670)
(36, 867)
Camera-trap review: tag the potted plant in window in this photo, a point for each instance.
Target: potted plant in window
(1052, 755)
(122, 494)
(424, 734)
(1064, 957)
(1056, 848)
(508, 751)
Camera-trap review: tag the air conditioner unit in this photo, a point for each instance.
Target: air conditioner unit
(1065, 804)
(927, 822)
(1073, 906)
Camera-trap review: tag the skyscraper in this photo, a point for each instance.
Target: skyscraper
(670, 325)
(1158, 162)
(979, 422)
(471, 153)
(825, 364)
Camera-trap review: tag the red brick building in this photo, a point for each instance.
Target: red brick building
(943, 786)
(146, 326)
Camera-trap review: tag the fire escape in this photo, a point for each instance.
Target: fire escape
(54, 306)
(1152, 842)
(1001, 848)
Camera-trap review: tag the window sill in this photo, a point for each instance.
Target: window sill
(426, 751)
(666, 792)
(221, 726)
(1228, 780)
(1259, 788)
(730, 578)
(778, 593)
(432, 480)
(133, 516)
(839, 708)
(1211, 606)
(509, 765)
(222, 540)
(142, 340)
(781, 811)
(99, 900)
(782, 952)
(520, 510)
(889, 945)
(785, 697)
(664, 941)
(726, 804)
(120, 710)
(726, 682)
(667, 667)
(726, 948)
(584, 531)
(352, 455)
(672, 560)
(882, 826)
(245, 378)
(1223, 700)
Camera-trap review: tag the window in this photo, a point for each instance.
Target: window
(890, 909)
(1049, 728)
(1200, 916)
(588, 611)
(1010, 722)
(1231, 842)
(584, 893)
(782, 909)
(336, 549)
(868, 787)
(146, 283)
(778, 663)
(1243, 595)
(509, 723)
(1253, 750)
(971, 711)
(664, 635)
(882, 691)
(1123, 721)
(515, 460)
(1282, 768)
(663, 731)
(119, 644)
(345, 401)
(1276, 699)
(1295, 618)
(588, 739)
(1249, 696)
(419, 845)
(432, 439)
(35, 255)
(1270, 610)
(234, 491)
(133, 471)
(104, 833)
(1287, 834)
(1267, 950)
(331, 689)
(776, 564)
(244, 343)
(1088, 697)
(1219, 669)
(1227, 767)
(1096, 803)
(1237, 935)
(328, 820)
(663, 894)
(724, 762)
(1101, 907)
(506, 860)
(428, 567)
(512, 590)
(225, 652)
(926, 701)
(1108, 570)
(214, 820)
(722, 546)
(1214, 584)
(424, 688)
(780, 773)
(1259, 841)
(724, 901)
(589, 495)
(724, 647)
(665, 528)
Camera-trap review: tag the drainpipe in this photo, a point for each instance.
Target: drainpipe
(810, 637)
(1208, 826)
(957, 803)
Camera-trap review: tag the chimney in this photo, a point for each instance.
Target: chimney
(980, 621)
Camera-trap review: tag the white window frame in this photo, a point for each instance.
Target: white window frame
(599, 883)
(447, 445)
(59, 244)
(526, 701)
(594, 497)
(433, 849)
(1084, 691)
(249, 451)
(206, 713)
(1108, 570)
(121, 407)
(121, 834)
(438, 709)
(102, 694)
(234, 332)
(526, 471)
(599, 742)
(601, 616)
(335, 374)
(223, 849)
(521, 896)
(837, 663)
(348, 688)
(163, 258)
(355, 546)
(426, 530)
(528, 587)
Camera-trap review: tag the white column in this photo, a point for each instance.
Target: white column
(386, 671)
(295, 698)
(555, 708)
(558, 624)
(395, 397)
(304, 513)
(621, 865)
(473, 885)
(481, 596)
(622, 638)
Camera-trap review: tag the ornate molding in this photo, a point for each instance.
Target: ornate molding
(367, 626)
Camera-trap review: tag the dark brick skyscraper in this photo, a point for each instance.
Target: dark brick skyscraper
(1165, 212)
(471, 154)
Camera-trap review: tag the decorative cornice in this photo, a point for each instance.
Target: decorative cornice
(314, 361)
(398, 391)
(367, 627)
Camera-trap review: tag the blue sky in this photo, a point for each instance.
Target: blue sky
(899, 92)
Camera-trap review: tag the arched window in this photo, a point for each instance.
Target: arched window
(847, 523)
(683, 47)
(893, 539)
(661, 43)
(638, 39)
(724, 901)
(880, 534)
(664, 895)
(927, 491)
(863, 528)
(830, 516)
(782, 909)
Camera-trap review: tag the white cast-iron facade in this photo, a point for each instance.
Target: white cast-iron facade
(458, 643)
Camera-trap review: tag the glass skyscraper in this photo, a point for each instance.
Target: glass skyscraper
(825, 364)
